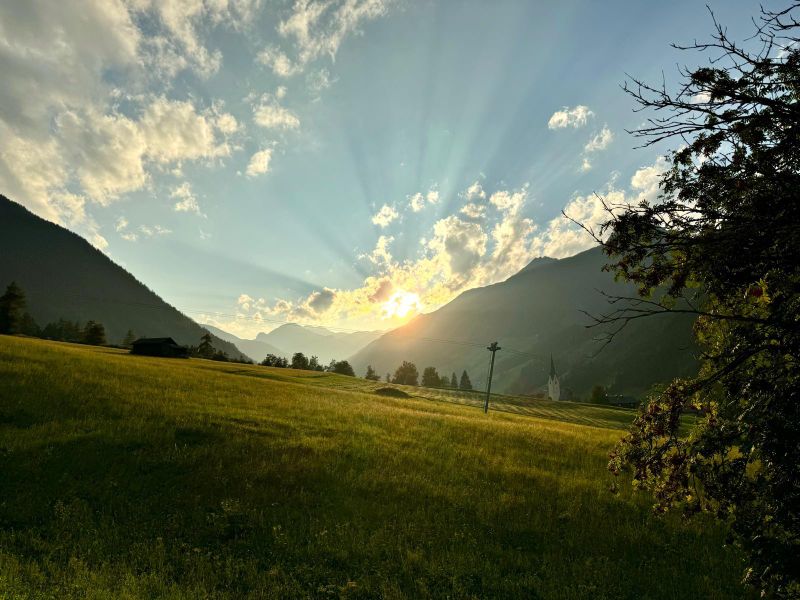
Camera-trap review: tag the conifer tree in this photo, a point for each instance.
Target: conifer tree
(12, 306)
(94, 334)
(129, 338)
(206, 348)
(454, 381)
(465, 384)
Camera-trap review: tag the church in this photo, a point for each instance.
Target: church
(553, 385)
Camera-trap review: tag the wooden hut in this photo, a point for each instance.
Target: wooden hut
(165, 347)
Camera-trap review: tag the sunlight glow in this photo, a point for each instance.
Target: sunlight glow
(401, 303)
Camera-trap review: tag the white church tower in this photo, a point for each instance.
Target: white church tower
(553, 386)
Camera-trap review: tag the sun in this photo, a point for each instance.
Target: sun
(401, 303)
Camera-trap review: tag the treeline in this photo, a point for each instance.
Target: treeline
(302, 362)
(15, 319)
(408, 374)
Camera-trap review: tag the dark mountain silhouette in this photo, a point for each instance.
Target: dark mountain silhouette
(64, 276)
(538, 311)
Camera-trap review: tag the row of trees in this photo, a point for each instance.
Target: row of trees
(408, 374)
(15, 319)
(302, 362)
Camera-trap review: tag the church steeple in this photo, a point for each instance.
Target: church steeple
(553, 385)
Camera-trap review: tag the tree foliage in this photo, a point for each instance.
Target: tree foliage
(12, 307)
(406, 374)
(599, 395)
(342, 367)
(130, 337)
(430, 377)
(206, 348)
(94, 333)
(465, 383)
(271, 360)
(722, 242)
(299, 361)
(371, 375)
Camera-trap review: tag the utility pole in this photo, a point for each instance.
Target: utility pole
(493, 348)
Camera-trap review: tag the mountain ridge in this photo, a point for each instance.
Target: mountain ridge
(534, 313)
(64, 276)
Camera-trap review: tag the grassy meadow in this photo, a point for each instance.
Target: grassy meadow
(134, 477)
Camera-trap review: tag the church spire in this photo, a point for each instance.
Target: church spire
(552, 367)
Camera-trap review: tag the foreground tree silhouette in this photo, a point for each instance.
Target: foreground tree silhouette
(722, 242)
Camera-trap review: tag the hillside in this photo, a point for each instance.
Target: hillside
(255, 349)
(539, 312)
(64, 276)
(317, 341)
(134, 477)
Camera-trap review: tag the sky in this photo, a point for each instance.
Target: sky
(347, 163)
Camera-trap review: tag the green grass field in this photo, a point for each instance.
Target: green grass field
(131, 477)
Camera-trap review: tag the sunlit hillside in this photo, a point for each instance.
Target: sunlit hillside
(125, 477)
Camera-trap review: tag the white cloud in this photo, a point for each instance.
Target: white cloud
(111, 152)
(460, 245)
(600, 140)
(646, 180)
(418, 201)
(473, 211)
(564, 238)
(570, 117)
(122, 227)
(319, 80)
(66, 138)
(462, 253)
(187, 201)
(180, 26)
(320, 301)
(259, 162)
(317, 28)
(380, 254)
(276, 60)
(475, 192)
(271, 115)
(385, 216)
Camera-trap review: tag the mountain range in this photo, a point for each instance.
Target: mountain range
(536, 314)
(289, 338)
(63, 276)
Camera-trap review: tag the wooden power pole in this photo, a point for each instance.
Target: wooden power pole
(493, 348)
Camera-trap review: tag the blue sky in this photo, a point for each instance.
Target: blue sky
(346, 163)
